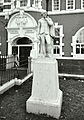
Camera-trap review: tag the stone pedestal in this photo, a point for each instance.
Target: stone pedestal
(46, 96)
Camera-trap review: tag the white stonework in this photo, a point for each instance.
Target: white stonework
(21, 25)
(46, 96)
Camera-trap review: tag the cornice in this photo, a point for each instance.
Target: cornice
(77, 11)
(33, 9)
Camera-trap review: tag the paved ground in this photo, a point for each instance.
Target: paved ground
(13, 102)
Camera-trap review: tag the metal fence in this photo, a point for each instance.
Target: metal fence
(11, 67)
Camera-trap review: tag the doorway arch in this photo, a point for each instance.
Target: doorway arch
(22, 48)
(21, 25)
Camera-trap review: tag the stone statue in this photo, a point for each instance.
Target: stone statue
(45, 33)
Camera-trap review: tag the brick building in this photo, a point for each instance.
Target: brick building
(18, 26)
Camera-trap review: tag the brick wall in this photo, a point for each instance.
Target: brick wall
(44, 4)
(78, 4)
(63, 4)
(3, 35)
(68, 66)
(71, 24)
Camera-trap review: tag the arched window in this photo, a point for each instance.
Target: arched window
(78, 43)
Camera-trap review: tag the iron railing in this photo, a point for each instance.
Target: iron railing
(10, 68)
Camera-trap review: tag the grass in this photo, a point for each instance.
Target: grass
(13, 102)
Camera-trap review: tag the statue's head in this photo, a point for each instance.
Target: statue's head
(44, 14)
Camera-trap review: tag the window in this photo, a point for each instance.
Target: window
(37, 3)
(82, 4)
(78, 43)
(70, 4)
(23, 3)
(57, 40)
(55, 4)
(7, 0)
(80, 48)
(1, 5)
(15, 50)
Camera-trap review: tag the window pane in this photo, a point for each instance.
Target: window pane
(15, 50)
(70, 4)
(56, 50)
(77, 49)
(56, 5)
(36, 3)
(80, 36)
(57, 32)
(82, 49)
(23, 2)
(56, 41)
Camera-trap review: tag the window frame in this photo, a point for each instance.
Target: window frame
(61, 43)
(39, 5)
(67, 5)
(23, 5)
(53, 6)
(82, 4)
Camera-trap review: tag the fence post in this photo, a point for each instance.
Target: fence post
(29, 65)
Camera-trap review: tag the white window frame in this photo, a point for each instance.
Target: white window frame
(74, 43)
(61, 43)
(82, 4)
(23, 5)
(67, 5)
(53, 6)
(39, 4)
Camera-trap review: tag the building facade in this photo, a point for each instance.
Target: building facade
(18, 26)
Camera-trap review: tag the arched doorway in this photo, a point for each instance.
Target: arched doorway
(22, 49)
(21, 28)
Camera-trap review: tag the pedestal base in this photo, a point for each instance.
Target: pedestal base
(46, 97)
(44, 107)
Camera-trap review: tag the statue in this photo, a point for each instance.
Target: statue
(45, 33)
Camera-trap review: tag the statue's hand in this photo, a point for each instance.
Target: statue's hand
(38, 37)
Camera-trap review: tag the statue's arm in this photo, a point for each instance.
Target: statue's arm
(38, 29)
(49, 21)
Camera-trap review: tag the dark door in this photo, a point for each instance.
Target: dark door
(15, 50)
(24, 54)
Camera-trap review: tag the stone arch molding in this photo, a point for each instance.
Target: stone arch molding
(74, 38)
(21, 24)
(74, 42)
(79, 31)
